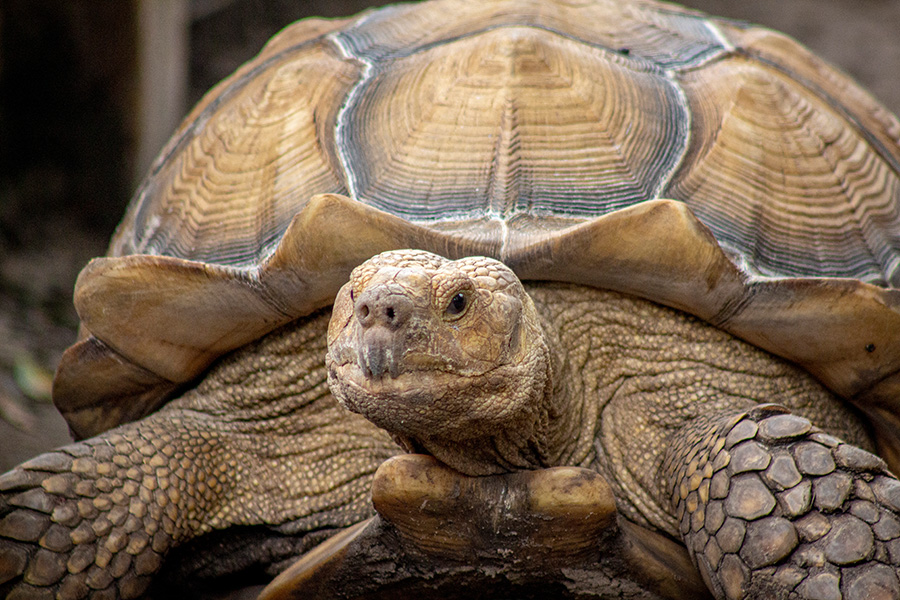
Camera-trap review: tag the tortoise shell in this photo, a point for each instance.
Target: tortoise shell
(704, 164)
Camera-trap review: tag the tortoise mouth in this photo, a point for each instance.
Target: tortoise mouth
(388, 401)
(417, 384)
(373, 398)
(421, 405)
(359, 391)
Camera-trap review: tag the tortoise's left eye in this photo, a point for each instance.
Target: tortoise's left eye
(458, 304)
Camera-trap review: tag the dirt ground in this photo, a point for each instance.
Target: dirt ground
(53, 217)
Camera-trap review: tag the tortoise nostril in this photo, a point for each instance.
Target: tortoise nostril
(363, 312)
(382, 307)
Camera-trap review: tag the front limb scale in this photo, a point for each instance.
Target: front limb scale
(769, 506)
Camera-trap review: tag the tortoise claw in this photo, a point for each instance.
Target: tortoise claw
(442, 534)
(307, 577)
(555, 514)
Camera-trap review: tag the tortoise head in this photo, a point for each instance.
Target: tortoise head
(448, 356)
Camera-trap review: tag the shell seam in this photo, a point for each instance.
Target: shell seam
(349, 101)
(646, 64)
(717, 33)
(688, 118)
(671, 76)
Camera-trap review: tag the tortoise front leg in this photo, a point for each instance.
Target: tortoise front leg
(96, 519)
(93, 518)
(771, 507)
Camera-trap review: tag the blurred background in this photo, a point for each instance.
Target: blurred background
(91, 89)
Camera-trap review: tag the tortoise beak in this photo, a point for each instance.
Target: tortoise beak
(382, 313)
(378, 353)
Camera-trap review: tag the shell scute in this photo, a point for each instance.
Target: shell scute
(512, 121)
(664, 36)
(265, 137)
(782, 177)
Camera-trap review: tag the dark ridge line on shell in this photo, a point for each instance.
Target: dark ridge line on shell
(688, 116)
(649, 63)
(342, 146)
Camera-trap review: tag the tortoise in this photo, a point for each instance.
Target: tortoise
(707, 194)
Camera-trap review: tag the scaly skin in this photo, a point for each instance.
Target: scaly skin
(772, 507)
(259, 442)
(663, 408)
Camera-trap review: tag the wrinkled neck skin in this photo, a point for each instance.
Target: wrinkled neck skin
(550, 433)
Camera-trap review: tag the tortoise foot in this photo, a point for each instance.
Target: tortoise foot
(546, 515)
(769, 506)
(440, 534)
(96, 519)
(80, 522)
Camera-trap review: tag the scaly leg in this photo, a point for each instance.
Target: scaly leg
(771, 507)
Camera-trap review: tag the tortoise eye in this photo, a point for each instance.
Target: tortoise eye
(458, 304)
